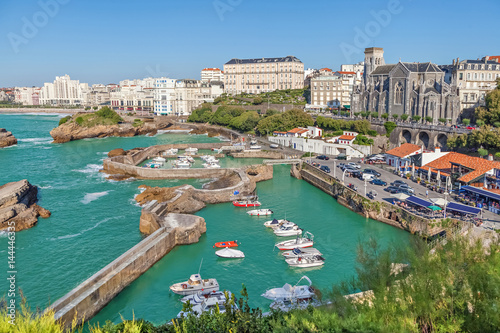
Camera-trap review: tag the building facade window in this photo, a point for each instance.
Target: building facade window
(398, 94)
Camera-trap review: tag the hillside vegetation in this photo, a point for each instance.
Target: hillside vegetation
(105, 116)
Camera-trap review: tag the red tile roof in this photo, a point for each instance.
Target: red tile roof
(211, 69)
(347, 137)
(302, 131)
(479, 165)
(326, 69)
(295, 130)
(494, 58)
(404, 150)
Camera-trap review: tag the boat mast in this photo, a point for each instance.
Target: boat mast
(199, 269)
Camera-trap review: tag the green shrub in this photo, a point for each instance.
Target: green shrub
(79, 121)
(64, 120)
(385, 116)
(404, 117)
(479, 123)
(389, 127)
(372, 133)
(466, 121)
(482, 152)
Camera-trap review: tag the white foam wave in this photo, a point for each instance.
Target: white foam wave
(90, 168)
(85, 230)
(89, 197)
(44, 187)
(133, 202)
(3, 233)
(36, 141)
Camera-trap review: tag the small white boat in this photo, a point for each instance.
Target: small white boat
(256, 147)
(191, 150)
(301, 252)
(273, 145)
(301, 242)
(159, 159)
(194, 285)
(153, 165)
(260, 212)
(185, 158)
(275, 223)
(182, 164)
(306, 261)
(171, 151)
(230, 253)
(211, 165)
(288, 229)
(291, 293)
(207, 302)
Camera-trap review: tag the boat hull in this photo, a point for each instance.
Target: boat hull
(226, 244)
(191, 291)
(241, 204)
(291, 246)
(313, 264)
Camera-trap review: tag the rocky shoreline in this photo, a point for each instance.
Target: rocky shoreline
(71, 132)
(18, 207)
(6, 138)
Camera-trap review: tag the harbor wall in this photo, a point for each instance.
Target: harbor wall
(358, 203)
(87, 299)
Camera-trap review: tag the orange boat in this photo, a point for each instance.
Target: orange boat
(227, 244)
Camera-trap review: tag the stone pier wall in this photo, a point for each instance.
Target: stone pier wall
(87, 299)
(358, 203)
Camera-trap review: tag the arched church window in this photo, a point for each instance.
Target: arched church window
(398, 94)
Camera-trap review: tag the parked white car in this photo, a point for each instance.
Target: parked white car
(368, 176)
(353, 165)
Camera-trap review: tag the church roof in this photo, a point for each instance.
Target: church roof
(431, 89)
(384, 69)
(411, 66)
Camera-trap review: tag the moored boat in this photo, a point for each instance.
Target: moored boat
(300, 252)
(260, 212)
(275, 223)
(306, 261)
(307, 240)
(159, 159)
(227, 244)
(182, 164)
(211, 165)
(246, 203)
(230, 253)
(207, 302)
(288, 229)
(194, 285)
(291, 293)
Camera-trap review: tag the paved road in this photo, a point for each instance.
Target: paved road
(491, 221)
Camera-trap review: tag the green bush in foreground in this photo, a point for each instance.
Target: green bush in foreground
(64, 120)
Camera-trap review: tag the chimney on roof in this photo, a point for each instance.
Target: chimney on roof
(437, 150)
(490, 157)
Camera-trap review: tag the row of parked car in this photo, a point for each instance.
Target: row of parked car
(400, 186)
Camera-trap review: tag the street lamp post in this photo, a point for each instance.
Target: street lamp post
(343, 175)
(445, 203)
(334, 169)
(365, 187)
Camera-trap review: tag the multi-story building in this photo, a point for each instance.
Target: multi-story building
(263, 75)
(414, 89)
(212, 74)
(475, 78)
(63, 91)
(333, 90)
(27, 95)
(180, 97)
(359, 67)
(133, 95)
(98, 94)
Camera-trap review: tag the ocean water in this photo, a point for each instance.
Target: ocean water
(94, 220)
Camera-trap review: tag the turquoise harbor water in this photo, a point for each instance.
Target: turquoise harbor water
(94, 220)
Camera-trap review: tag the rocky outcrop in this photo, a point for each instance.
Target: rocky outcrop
(18, 208)
(117, 152)
(72, 131)
(6, 138)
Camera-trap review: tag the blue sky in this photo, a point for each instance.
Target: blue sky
(107, 41)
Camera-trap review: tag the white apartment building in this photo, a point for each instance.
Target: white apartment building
(98, 94)
(133, 95)
(474, 79)
(333, 90)
(181, 97)
(27, 95)
(359, 67)
(212, 74)
(263, 75)
(63, 91)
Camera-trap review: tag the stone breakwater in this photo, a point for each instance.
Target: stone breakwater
(157, 202)
(18, 206)
(6, 138)
(87, 299)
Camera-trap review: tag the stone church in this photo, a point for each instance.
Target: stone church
(405, 88)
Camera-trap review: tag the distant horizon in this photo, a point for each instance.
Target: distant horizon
(48, 38)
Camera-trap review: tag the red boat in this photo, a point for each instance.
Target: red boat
(246, 203)
(227, 244)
